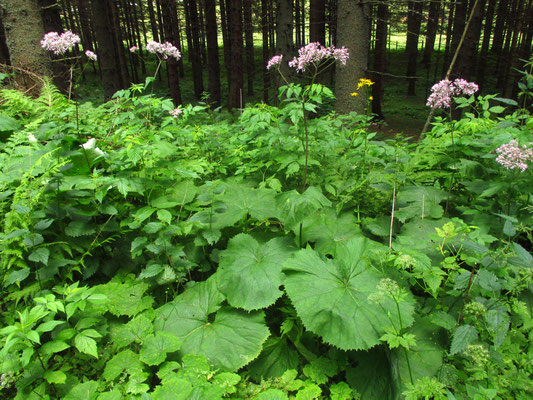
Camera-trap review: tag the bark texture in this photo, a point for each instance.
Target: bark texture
(24, 30)
(353, 31)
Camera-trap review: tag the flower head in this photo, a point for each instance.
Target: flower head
(513, 156)
(90, 55)
(443, 92)
(364, 82)
(276, 60)
(59, 44)
(164, 50)
(176, 112)
(133, 49)
(314, 53)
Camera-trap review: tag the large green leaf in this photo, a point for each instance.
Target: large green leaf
(327, 229)
(371, 376)
(421, 201)
(230, 339)
(425, 359)
(156, 347)
(294, 207)
(249, 274)
(276, 358)
(331, 296)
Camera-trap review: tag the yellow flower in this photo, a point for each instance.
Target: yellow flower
(370, 98)
(354, 94)
(364, 82)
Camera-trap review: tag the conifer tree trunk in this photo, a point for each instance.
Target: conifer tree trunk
(104, 34)
(235, 99)
(170, 26)
(414, 19)
(297, 24)
(266, 54)
(137, 34)
(4, 50)
(213, 64)
(249, 38)
(201, 23)
(284, 38)
(153, 22)
(24, 30)
(431, 32)
(449, 26)
(481, 65)
(380, 57)
(195, 51)
(353, 31)
(317, 21)
(225, 38)
(119, 46)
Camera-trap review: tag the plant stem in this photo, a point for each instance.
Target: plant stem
(306, 146)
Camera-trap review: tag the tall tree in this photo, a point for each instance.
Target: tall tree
(380, 57)
(284, 37)
(4, 51)
(195, 50)
(317, 21)
(487, 33)
(213, 64)
(24, 30)
(266, 53)
(414, 19)
(170, 26)
(104, 33)
(235, 98)
(431, 31)
(353, 31)
(249, 38)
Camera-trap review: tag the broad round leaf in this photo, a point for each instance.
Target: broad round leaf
(230, 340)
(331, 297)
(249, 274)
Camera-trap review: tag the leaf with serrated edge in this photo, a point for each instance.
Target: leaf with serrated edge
(231, 341)
(249, 274)
(331, 297)
(156, 347)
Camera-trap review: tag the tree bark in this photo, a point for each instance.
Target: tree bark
(4, 50)
(480, 79)
(170, 26)
(414, 19)
(235, 99)
(24, 30)
(153, 22)
(284, 39)
(104, 33)
(249, 38)
(353, 31)
(380, 58)
(195, 51)
(213, 64)
(266, 55)
(431, 32)
(317, 21)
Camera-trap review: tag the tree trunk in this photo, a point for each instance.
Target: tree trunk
(353, 31)
(380, 61)
(431, 32)
(104, 33)
(119, 46)
(447, 50)
(284, 39)
(201, 15)
(485, 44)
(225, 38)
(4, 50)
(24, 30)
(170, 26)
(235, 99)
(414, 19)
(249, 37)
(317, 21)
(213, 65)
(195, 51)
(266, 55)
(153, 22)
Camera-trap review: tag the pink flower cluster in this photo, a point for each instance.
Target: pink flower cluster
(90, 55)
(59, 44)
(165, 50)
(315, 53)
(443, 92)
(276, 60)
(176, 112)
(133, 49)
(513, 156)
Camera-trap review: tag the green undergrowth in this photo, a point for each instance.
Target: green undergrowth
(151, 257)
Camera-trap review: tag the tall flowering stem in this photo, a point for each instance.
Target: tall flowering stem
(312, 59)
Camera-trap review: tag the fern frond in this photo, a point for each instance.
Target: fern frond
(51, 96)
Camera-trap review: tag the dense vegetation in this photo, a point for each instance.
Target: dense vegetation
(200, 255)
